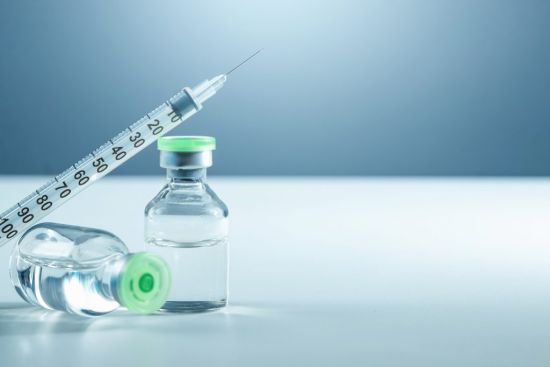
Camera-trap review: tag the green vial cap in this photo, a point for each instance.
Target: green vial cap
(186, 143)
(144, 283)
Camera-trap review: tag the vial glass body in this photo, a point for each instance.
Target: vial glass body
(85, 271)
(187, 224)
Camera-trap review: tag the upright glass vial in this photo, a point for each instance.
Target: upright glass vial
(187, 224)
(86, 271)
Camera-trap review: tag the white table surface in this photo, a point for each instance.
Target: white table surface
(324, 272)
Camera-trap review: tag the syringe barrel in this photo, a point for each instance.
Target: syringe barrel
(117, 150)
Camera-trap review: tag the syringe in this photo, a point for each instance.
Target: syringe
(108, 156)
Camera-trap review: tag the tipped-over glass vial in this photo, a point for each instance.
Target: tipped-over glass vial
(186, 223)
(86, 271)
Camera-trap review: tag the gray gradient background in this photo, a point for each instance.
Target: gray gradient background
(342, 87)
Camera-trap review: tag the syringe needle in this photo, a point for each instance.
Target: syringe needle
(209, 87)
(248, 58)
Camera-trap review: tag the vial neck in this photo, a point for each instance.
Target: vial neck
(110, 274)
(186, 175)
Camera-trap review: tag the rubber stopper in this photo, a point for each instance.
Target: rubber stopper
(144, 283)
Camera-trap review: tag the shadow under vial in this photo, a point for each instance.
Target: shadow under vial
(24, 319)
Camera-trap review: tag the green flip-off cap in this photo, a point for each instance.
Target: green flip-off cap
(144, 284)
(186, 143)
